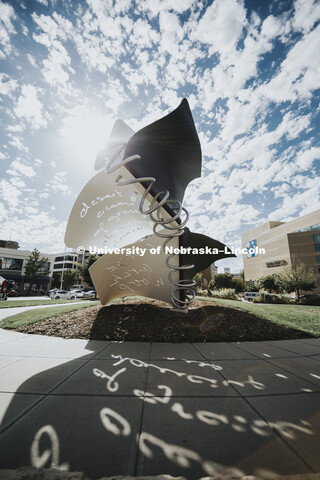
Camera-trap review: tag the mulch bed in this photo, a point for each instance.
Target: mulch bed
(151, 320)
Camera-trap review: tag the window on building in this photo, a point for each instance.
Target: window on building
(316, 237)
(316, 226)
(69, 257)
(317, 247)
(318, 259)
(58, 259)
(45, 268)
(7, 263)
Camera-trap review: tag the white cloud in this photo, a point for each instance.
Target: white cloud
(7, 14)
(31, 60)
(307, 13)
(299, 73)
(17, 167)
(305, 159)
(221, 26)
(300, 203)
(10, 194)
(7, 85)
(154, 8)
(30, 108)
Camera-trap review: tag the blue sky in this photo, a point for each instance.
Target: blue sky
(251, 73)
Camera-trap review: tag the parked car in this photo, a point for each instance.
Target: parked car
(90, 294)
(48, 293)
(77, 293)
(249, 296)
(62, 294)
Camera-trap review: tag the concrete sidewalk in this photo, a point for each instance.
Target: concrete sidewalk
(194, 410)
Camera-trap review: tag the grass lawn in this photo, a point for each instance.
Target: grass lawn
(32, 303)
(34, 316)
(300, 317)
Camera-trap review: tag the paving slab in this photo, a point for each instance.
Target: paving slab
(206, 437)
(72, 348)
(36, 375)
(264, 350)
(28, 345)
(6, 335)
(138, 350)
(297, 421)
(312, 341)
(179, 378)
(221, 351)
(8, 359)
(21, 404)
(304, 367)
(102, 377)
(295, 346)
(163, 351)
(91, 434)
(257, 377)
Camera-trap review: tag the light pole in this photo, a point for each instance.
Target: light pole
(61, 281)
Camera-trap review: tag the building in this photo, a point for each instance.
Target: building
(13, 261)
(285, 243)
(226, 270)
(12, 267)
(65, 261)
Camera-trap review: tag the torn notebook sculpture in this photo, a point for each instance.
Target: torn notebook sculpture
(132, 210)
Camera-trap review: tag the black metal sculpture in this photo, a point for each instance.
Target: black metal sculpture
(156, 164)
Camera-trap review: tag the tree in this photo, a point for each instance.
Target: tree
(56, 280)
(239, 285)
(84, 271)
(222, 280)
(251, 286)
(270, 283)
(297, 278)
(70, 277)
(35, 267)
(198, 278)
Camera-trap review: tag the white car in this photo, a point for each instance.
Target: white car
(77, 293)
(90, 294)
(62, 295)
(249, 296)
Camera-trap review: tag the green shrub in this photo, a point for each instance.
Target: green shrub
(227, 293)
(271, 298)
(309, 299)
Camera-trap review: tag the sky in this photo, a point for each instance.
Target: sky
(250, 70)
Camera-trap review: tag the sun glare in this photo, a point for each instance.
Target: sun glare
(85, 133)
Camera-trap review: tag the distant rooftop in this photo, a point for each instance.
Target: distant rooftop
(9, 244)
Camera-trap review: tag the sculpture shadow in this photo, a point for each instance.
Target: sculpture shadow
(139, 321)
(141, 409)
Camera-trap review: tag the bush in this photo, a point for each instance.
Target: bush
(226, 281)
(270, 298)
(309, 299)
(227, 293)
(201, 293)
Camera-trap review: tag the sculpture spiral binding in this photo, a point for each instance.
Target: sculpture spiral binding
(179, 288)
